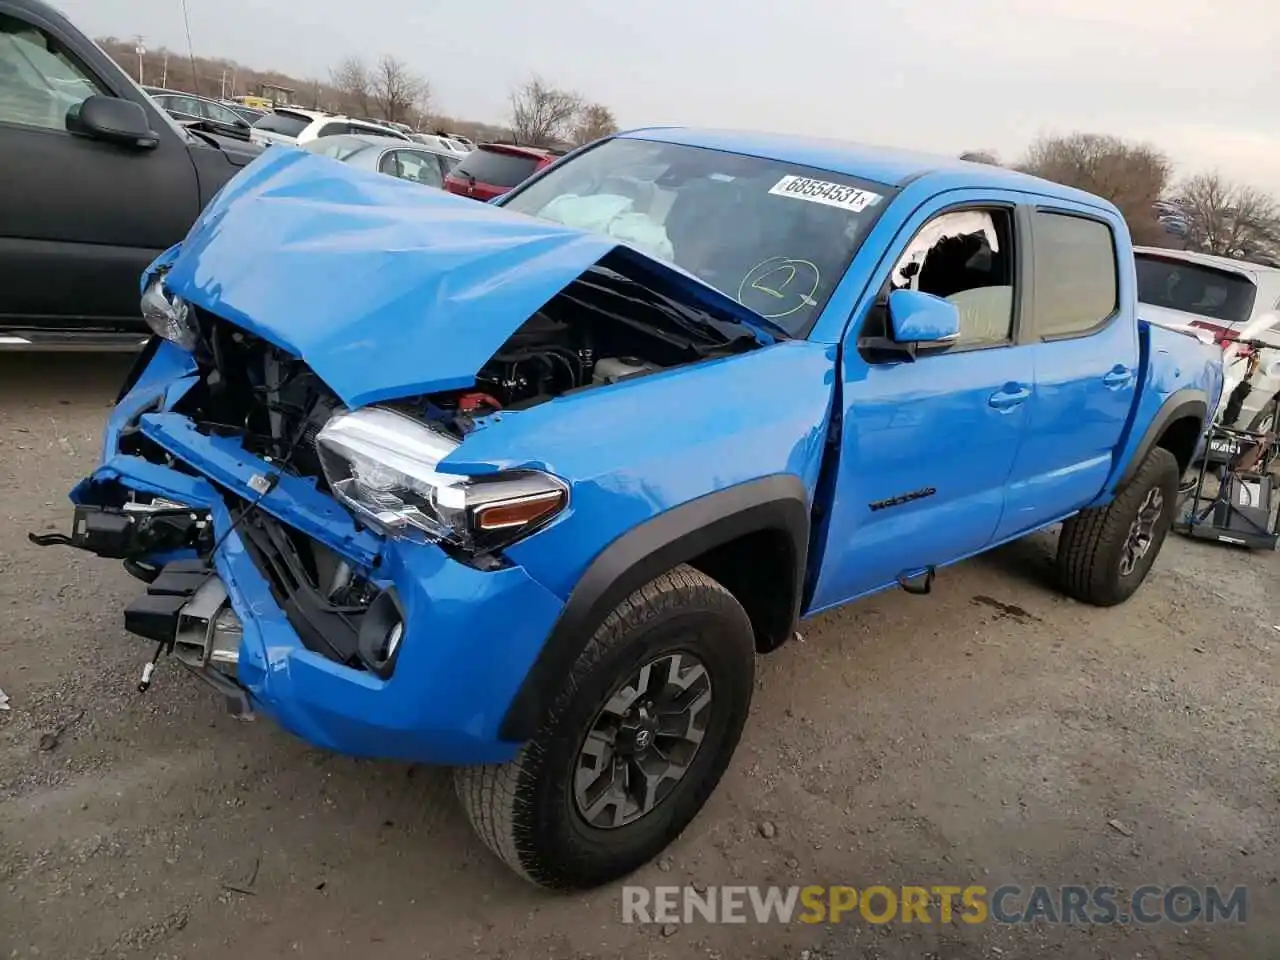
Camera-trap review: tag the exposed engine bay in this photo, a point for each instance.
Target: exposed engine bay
(601, 329)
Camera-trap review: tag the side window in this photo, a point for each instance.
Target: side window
(412, 165)
(40, 82)
(186, 106)
(220, 114)
(1075, 274)
(333, 129)
(966, 257)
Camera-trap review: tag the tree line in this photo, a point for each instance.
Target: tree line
(1206, 211)
(540, 112)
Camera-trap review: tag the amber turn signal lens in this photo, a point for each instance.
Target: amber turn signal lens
(519, 511)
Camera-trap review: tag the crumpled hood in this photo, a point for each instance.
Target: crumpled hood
(385, 288)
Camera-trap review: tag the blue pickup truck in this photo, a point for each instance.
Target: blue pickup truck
(524, 488)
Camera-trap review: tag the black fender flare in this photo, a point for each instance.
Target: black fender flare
(1187, 402)
(777, 502)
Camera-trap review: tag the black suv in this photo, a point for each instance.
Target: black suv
(97, 181)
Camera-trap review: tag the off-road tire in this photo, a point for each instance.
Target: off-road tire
(1092, 542)
(524, 810)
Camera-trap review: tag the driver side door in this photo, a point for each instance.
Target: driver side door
(928, 444)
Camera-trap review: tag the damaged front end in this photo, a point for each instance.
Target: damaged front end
(282, 469)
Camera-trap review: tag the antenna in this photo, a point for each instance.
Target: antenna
(191, 53)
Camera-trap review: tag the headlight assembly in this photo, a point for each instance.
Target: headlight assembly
(169, 316)
(381, 464)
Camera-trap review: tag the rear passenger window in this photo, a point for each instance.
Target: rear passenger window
(1075, 274)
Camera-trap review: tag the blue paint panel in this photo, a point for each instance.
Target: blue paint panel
(637, 448)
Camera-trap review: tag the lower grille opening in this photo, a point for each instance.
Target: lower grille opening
(322, 596)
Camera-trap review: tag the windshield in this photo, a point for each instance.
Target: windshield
(774, 236)
(1179, 285)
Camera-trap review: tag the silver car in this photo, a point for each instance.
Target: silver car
(397, 158)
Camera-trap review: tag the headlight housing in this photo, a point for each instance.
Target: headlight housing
(169, 316)
(381, 464)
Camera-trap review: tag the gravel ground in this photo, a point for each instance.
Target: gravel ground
(993, 732)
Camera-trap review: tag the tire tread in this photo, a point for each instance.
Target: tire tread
(1090, 540)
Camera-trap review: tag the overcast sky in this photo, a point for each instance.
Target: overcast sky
(1199, 79)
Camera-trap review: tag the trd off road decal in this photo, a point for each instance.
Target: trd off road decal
(841, 195)
(902, 498)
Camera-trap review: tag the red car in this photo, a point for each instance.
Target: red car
(492, 169)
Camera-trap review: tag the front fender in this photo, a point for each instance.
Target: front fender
(662, 469)
(636, 449)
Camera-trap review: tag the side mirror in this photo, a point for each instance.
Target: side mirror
(916, 317)
(115, 120)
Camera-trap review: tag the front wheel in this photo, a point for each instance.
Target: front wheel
(635, 741)
(1105, 553)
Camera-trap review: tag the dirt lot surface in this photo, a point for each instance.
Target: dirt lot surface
(993, 732)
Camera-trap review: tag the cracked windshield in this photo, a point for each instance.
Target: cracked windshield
(774, 236)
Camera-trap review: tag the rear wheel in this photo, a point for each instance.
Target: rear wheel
(1105, 553)
(635, 742)
(1265, 420)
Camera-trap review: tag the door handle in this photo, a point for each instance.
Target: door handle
(1012, 395)
(1119, 376)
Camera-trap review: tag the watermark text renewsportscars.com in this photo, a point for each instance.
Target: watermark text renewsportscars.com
(936, 903)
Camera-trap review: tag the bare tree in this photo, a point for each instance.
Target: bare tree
(1230, 219)
(397, 90)
(1133, 176)
(542, 114)
(981, 156)
(354, 83)
(595, 120)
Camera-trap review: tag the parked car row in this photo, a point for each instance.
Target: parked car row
(212, 115)
(1224, 301)
(296, 126)
(101, 175)
(417, 163)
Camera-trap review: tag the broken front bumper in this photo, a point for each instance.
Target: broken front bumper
(469, 638)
